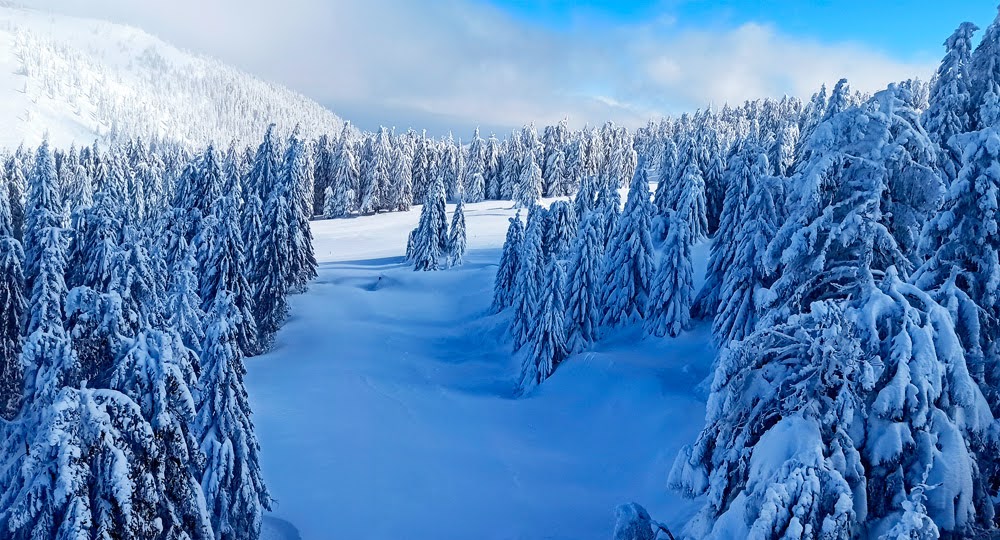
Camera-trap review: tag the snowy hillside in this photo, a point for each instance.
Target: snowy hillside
(81, 80)
(385, 410)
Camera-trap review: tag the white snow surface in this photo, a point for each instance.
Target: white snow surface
(81, 80)
(385, 410)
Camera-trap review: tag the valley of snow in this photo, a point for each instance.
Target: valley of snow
(81, 80)
(386, 408)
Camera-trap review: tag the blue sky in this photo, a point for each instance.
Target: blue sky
(905, 29)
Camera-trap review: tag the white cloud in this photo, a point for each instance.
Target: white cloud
(472, 64)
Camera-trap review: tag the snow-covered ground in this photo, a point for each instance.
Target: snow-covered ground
(385, 410)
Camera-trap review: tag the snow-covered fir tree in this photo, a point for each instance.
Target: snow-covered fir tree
(222, 270)
(430, 241)
(346, 176)
(42, 211)
(475, 170)
(509, 267)
(950, 111)
(545, 345)
(231, 481)
(745, 281)
(669, 311)
(741, 175)
(628, 262)
(12, 311)
(456, 236)
(530, 279)
(583, 296)
(561, 230)
(529, 182)
(155, 371)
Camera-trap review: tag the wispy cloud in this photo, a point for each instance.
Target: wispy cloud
(470, 63)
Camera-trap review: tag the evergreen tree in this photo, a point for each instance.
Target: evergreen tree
(492, 167)
(12, 306)
(509, 268)
(42, 212)
(950, 102)
(985, 69)
(628, 266)
(529, 183)
(673, 284)
(456, 236)
(184, 313)
(583, 303)
(87, 472)
(561, 230)
(375, 174)
(293, 194)
(545, 348)
(430, 243)
(346, 175)
(234, 489)
(95, 244)
(742, 290)
(159, 379)
(223, 270)
(475, 170)
(402, 178)
(529, 280)
(745, 167)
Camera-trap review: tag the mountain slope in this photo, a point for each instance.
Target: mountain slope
(83, 79)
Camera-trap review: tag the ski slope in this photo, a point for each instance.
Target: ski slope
(385, 410)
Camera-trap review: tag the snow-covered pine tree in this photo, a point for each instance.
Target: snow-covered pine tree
(743, 289)
(529, 183)
(584, 202)
(234, 489)
(346, 176)
(628, 262)
(402, 180)
(293, 193)
(688, 200)
(545, 346)
(183, 307)
(745, 167)
(961, 271)
(456, 236)
(669, 311)
(475, 170)
(160, 380)
(326, 164)
(12, 306)
(375, 173)
(509, 267)
(44, 320)
(42, 211)
(430, 243)
(492, 168)
(222, 270)
(859, 435)
(985, 70)
(561, 230)
(87, 472)
(529, 279)
(96, 243)
(136, 279)
(950, 111)
(553, 176)
(583, 296)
